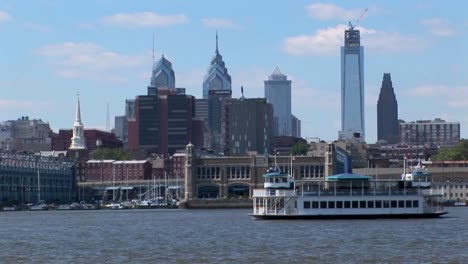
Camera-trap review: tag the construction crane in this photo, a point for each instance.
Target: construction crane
(351, 26)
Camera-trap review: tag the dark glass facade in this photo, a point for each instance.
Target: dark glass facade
(387, 112)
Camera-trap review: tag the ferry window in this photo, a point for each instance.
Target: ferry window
(415, 203)
(401, 204)
(295, 204)
(355, 204)
(393, 204)
(362, 204)
(386, 204)
(408, 204)
(323, 204)
(347, 204)
(339, 204)
(306, 204)
(370, 204)
(378, 204)
(331, 204)
(315, 204)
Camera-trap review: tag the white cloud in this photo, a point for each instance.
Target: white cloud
(144, 19)
(324, 11)
(80, 59)
(219, 23)
(328, 41)
(438, 26)
(455, 96)
(4, 16)
(8, 104)
(37, 27)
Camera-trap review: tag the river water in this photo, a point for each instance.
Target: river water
(225, 236)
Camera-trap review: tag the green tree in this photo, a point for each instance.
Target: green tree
(299, 149)
(457, 152)
(113, 154)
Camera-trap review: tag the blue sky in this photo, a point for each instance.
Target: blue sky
(50, 50)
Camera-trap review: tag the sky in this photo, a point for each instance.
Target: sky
(52, 50)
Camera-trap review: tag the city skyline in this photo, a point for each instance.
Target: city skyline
(105, 53)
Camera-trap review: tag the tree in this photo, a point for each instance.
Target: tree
(113, 154)
(457, 152)
(299, 149)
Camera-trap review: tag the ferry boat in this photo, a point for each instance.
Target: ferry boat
(347, 195)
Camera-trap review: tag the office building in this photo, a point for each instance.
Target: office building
(162, 76)
(295, 126)
(352, 87)
(278, 93)
(217, 77)
(248, 126)
(387, 112)
(436, 132)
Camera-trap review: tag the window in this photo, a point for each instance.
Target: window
(355, 204)
(378, 204)
(415, 203)
(347, 204)
(370, 204)
(362, 204)
(331, 204)
(315, 204)
(339, 204)
(323, 204)
(401, 204)
(408, 204)
(393, 204)
(306, 204)
(386, 204)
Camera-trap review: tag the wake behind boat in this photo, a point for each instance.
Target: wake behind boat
(347, 195)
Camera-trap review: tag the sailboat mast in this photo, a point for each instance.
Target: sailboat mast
(38, 186)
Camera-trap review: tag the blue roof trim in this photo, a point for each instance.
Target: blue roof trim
(348, 177)
(275, 174)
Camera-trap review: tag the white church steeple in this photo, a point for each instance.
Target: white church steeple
(78, 139)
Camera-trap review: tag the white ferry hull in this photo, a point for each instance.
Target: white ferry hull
(345, 216)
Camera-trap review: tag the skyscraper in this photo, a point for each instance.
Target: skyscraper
(352, 87)
(387, 112)
(217, 77)
(162, 76)
(278, 93)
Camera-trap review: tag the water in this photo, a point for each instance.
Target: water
(225, 236)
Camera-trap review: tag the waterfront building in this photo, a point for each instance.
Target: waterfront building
(295, 126)
(27, 178)
(217, 77)
(113, 170)
(437, 132)
(247, 126)
(387, 112)
(208, 176)
(162, 76)
(278, 93)
(352, 87)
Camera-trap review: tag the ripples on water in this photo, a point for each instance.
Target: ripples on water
(225, 236)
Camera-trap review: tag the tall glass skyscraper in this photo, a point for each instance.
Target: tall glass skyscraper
(278, 93)
(217, 77)
(162, 76)
(352, 87)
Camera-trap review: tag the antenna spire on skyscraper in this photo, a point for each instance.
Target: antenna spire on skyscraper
(217, 41)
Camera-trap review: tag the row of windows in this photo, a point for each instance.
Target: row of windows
(208, 172)
(361, 204)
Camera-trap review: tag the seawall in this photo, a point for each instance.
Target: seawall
(216, 204)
